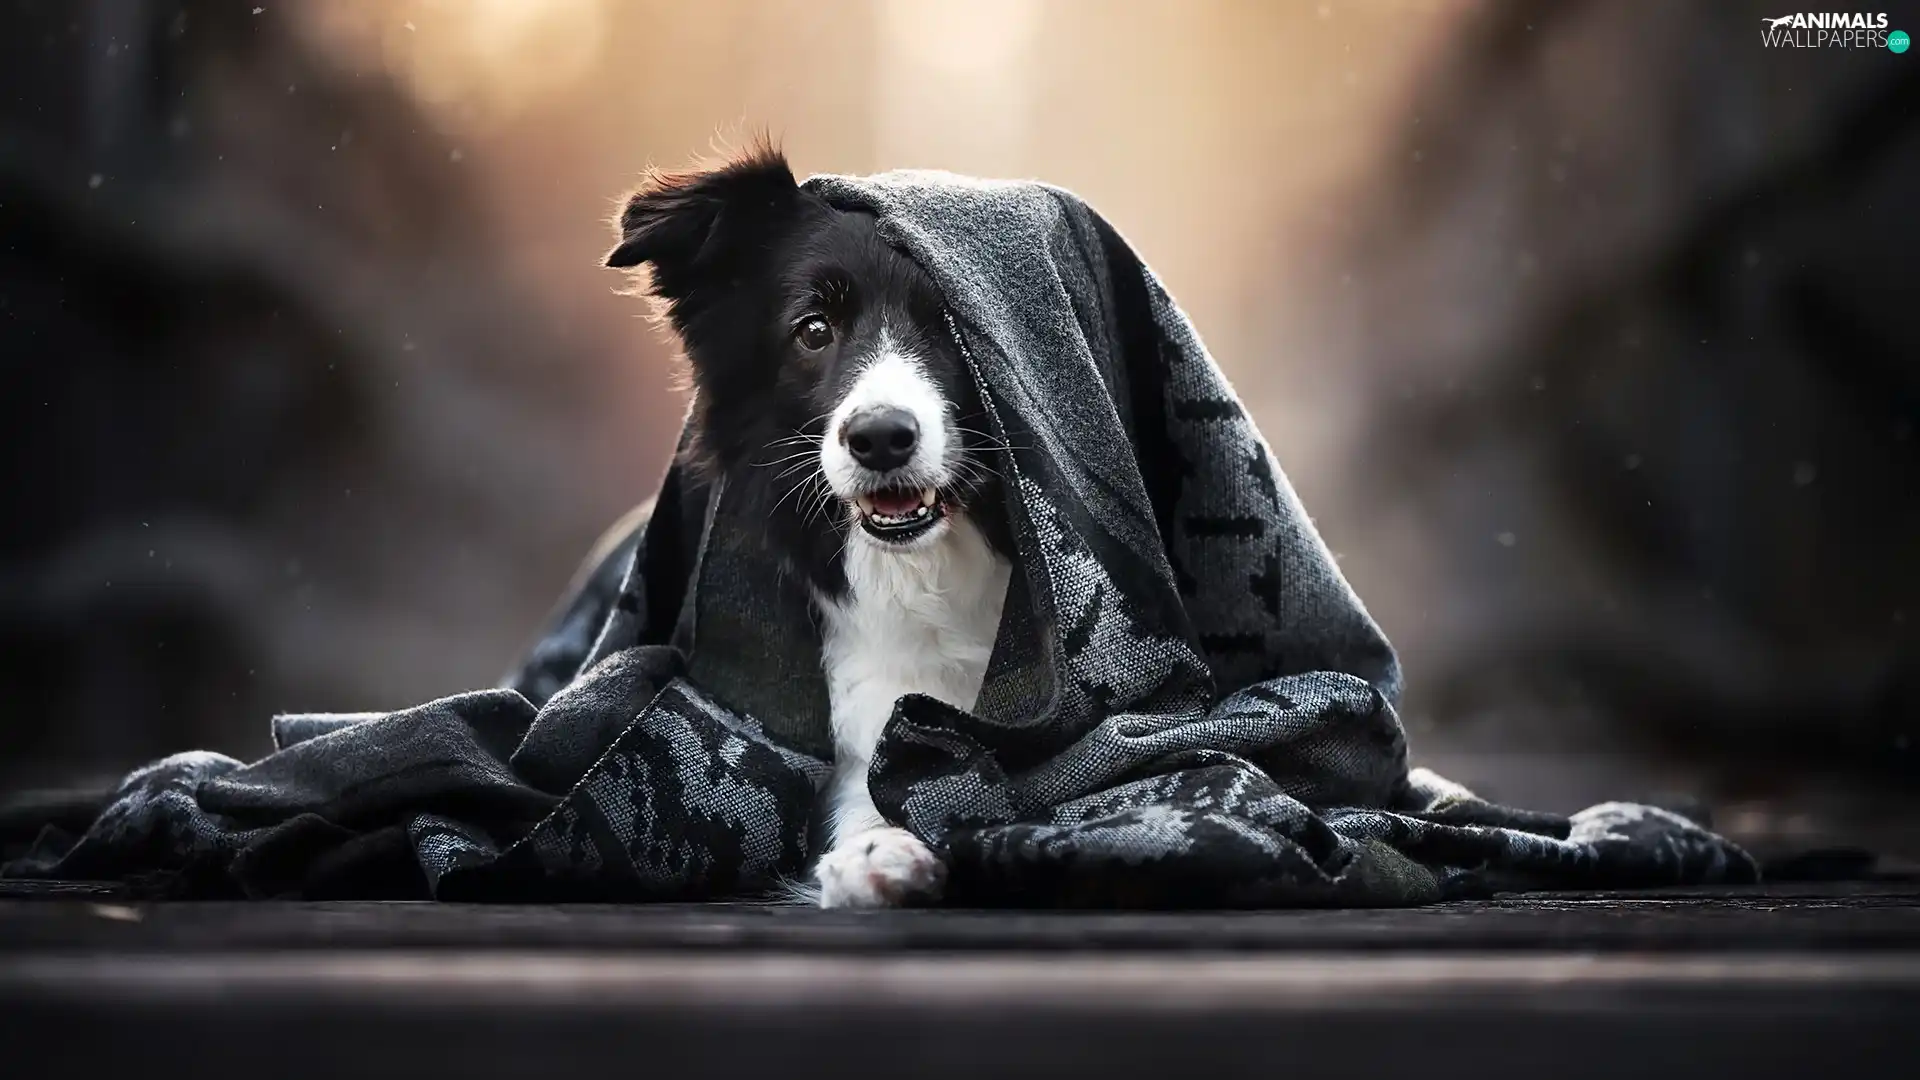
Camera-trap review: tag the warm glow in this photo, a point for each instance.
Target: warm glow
(952, 88)
(484, 58)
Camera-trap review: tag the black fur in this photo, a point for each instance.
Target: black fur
(741, 255)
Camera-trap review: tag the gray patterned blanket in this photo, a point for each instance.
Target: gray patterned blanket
(1187, 704)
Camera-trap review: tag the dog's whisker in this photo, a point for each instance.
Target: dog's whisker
(806, 487)
(806, 445)
(778, 503)
(792, 490)
(994, 442)
(972, 471)
(801, 456)
(844, 541)
(964, 430)
(800, 434)
(823, 504)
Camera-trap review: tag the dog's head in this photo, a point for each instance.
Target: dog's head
(826, 380)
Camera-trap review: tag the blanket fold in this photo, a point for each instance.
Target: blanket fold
(1187, 704)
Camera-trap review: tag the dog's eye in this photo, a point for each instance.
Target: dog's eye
(814, 333)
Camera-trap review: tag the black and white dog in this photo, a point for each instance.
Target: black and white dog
(828, 392)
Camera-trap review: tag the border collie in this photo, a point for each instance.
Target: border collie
(830, 394)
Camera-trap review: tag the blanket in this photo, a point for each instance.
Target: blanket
(1187, 704)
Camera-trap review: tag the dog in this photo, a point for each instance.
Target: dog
(830, 394)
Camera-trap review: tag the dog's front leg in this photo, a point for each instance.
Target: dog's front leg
(871, 864)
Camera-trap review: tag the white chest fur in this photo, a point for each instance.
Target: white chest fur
(921, 621)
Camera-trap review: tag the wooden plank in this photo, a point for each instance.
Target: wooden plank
(509, 1013)
(1852, 917)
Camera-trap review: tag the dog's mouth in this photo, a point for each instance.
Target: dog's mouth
(899, 515)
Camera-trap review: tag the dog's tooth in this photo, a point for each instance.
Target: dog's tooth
(927, 496)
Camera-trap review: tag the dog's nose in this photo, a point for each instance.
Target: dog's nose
(882, 439)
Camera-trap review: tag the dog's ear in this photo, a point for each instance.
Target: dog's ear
(682, 222)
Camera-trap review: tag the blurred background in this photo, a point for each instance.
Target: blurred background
(1583, 328)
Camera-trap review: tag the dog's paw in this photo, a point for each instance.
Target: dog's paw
(879, 868)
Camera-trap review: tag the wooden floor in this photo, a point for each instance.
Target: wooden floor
(1781, 981)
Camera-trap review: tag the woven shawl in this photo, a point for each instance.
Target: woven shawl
(1187, 704)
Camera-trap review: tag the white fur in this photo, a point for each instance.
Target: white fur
(879, 868)
(916, 619)
(892, 379)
